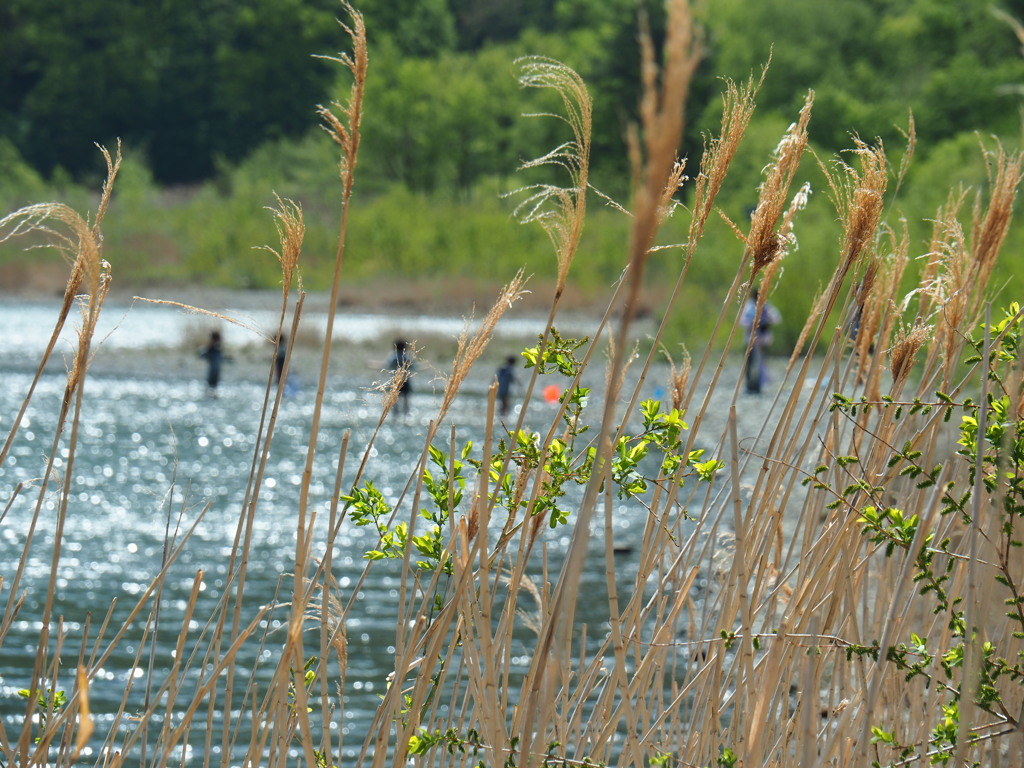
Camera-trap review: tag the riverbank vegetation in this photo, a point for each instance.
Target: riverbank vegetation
(211, 133)
(842, 590)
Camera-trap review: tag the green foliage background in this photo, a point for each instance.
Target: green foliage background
(214, 101)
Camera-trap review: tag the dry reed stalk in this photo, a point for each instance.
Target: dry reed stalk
(781, 464)
(342, 123)
(863, 197)
(945, 288)
(662, 110)
(470, 349)
(620, 681)
(82, 245)
(859, 198)
(678, 380)
(291, 230)
(881, 312)
(563, 225)
(738, 108)
(767, 241)
(333, 634)
(772, 203)
(989, 231)
(560, 210)
(903, 352)
(943, 275)
(661, 113)
(484, 697)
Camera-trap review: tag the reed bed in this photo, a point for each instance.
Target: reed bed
(843, 590)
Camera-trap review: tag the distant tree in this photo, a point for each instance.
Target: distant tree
(72, 74)
(870, 61)
(415, 27)
(187, 80)
(479, 22)
(445, 122)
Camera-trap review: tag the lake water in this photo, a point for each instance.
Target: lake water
(26, 325)
(153, 451)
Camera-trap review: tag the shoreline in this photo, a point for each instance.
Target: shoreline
(160, 337)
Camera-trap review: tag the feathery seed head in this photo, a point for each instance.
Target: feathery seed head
(904, 351)
(560, 210)
(764, 244)
(291, 230)
(719, 152)
(1005, 173)
(679, 378)
(862, 200)
(342, 120)
(470, 349)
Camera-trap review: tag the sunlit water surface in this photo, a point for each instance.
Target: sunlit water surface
(154, 456)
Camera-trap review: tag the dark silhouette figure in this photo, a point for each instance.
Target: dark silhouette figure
(506, 376)
(754, 371)
(213, 353)
(279, 357)
(400, 364)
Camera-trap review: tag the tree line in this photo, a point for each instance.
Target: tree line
(199, 84)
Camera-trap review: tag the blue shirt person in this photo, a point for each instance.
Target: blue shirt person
(754, 370)
(506, 376)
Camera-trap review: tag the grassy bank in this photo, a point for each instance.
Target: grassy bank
(455, 249)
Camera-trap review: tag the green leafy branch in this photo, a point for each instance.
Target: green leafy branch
(557, 354)
(50, 702)
(661, 431)
(990, 442)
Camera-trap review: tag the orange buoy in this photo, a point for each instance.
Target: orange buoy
(552, 392)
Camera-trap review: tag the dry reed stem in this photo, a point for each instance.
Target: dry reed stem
(883, 306)
(767, 242)
(238, 566)
(859, 197)
(468, 353)
(989, 231)
(564, 225)
(470, 349)
(207, 313)
(791, 147)
(342, 122)
(906, 344)
(81, 245)
(738, 108)
(662, 119)
(560, 210)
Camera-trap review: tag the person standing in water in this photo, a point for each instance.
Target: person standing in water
(400, 364)
(506, 376)
(213, 353)
(755, 372)
(280, 356)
